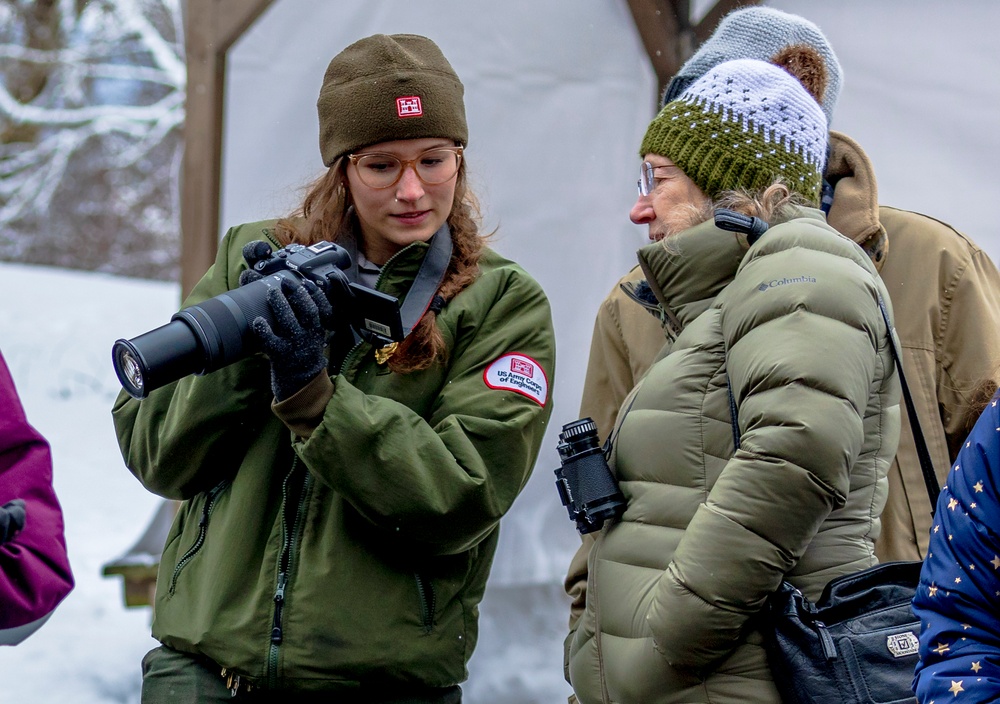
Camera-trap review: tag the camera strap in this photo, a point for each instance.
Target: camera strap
(429, 278)
(423, 291)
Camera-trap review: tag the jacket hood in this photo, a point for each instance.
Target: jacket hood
(855, 197)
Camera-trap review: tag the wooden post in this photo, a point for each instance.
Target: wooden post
(211, 26)
(669, 36)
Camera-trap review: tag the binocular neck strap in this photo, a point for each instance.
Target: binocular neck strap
(428, 281)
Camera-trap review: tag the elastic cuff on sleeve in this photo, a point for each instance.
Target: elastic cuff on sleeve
(303, 410)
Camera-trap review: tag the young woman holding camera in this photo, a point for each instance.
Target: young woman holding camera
(341, 498)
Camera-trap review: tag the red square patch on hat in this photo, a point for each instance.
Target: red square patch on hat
(409, 106)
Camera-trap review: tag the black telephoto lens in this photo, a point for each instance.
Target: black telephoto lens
(216, 332)
(156, 358)
(198, 339)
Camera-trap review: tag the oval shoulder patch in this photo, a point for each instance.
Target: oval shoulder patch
(518, 373)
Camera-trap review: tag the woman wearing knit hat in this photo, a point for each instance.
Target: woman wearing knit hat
(756, 447)
(342, 496)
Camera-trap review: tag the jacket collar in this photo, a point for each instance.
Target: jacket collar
(854, 212)
(688, 270)
(397, 273)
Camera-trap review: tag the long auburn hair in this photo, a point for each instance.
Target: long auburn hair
(326, 213)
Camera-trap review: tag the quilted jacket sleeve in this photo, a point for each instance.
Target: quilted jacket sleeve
(806, 350)
(625, 342)
(957, 597)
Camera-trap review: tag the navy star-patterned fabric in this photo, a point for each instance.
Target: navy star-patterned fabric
(958, 601)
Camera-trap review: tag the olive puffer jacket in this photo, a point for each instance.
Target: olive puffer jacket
(343, 537)
(793, 324)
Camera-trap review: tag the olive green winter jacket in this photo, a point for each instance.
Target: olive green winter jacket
(344, 536)
(945, 292)
(674, 587)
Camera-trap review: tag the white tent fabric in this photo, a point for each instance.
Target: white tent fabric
(558, 94)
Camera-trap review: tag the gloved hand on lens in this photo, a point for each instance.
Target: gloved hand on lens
(253, 252)
(12, 515)
(297, 338)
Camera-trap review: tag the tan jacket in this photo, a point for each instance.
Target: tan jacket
(945, 294)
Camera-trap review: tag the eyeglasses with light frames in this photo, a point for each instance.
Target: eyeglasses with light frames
(432, 167)
(647, 177)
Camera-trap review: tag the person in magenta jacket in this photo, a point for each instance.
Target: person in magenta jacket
(34, 569)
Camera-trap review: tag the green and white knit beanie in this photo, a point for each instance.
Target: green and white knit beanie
(744, 124)
(760, 33)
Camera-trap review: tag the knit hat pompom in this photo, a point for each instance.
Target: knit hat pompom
(807, 65)
(388, 87)
(759, 33)
(743, 125)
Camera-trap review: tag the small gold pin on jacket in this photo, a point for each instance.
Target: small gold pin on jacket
(383, 353)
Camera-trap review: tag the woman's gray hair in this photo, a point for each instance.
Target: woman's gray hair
(769, 204)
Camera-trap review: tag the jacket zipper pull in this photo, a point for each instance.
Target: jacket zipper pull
(279, 600)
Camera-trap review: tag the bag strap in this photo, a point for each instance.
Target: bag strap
(926, 465)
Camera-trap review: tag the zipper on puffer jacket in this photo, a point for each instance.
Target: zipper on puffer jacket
(294, 495)
(206, 514)
(428, 602)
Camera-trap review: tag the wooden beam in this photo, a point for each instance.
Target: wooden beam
(211, 26)
(235, 18)
(668, 35)
(659, 30)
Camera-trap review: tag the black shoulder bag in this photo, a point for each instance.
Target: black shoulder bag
(858, 643)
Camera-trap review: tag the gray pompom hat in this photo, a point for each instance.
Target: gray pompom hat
(759, 33)
(388, 87)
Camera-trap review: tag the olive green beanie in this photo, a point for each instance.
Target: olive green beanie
(387, 87)
(744, 124)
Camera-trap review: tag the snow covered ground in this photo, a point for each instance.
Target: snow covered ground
(56, 332)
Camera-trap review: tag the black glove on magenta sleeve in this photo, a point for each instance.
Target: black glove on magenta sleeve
(297, 338)
(12, 515)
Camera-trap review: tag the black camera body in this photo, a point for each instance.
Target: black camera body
(215, 333)
(375, 315)
(584, 481)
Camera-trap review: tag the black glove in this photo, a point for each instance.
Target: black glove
(253, 252)
(297, 339)
(11, 519)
